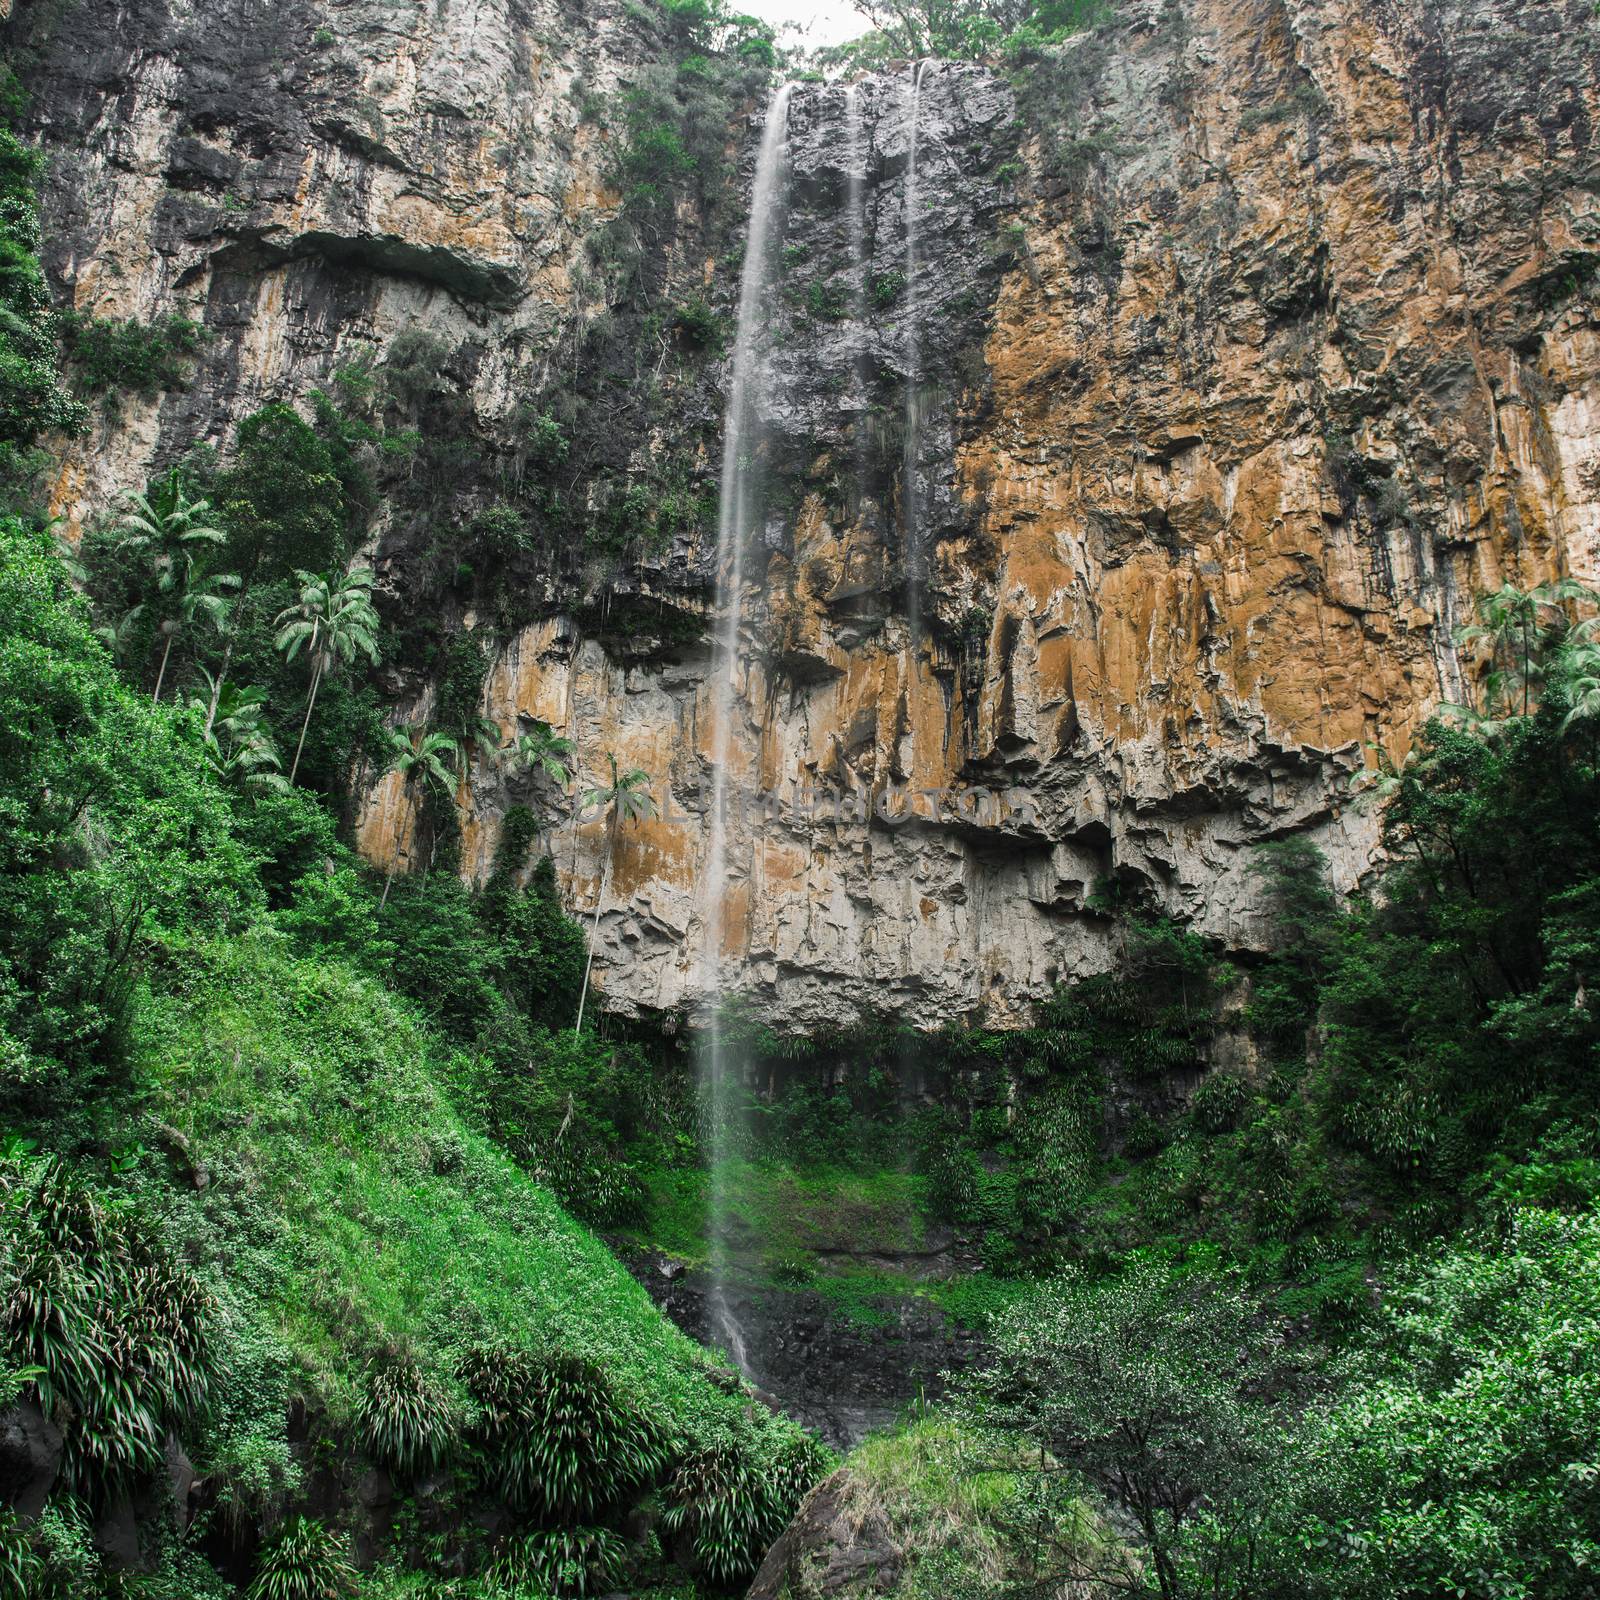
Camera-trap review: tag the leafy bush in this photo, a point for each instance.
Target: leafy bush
(733, 1499)
(112, 834)
(136, 357)
(32, 398)
(406, 1420)
(561, 1561)
(698, 323)
(557, 1436)
(304, 1561)
(1459, 1460)
(116, 1332)
(1161, 1394)
(282, 500)
(1220, 1101)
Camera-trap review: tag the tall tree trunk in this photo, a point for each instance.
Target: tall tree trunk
(316, 680)
(594, 924)
(161, 674)
(216, 688)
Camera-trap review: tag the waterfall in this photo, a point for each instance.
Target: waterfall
(910, 489)
(855, 143)
(855, 133)
(737, 512)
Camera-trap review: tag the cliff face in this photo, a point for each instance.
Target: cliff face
(1245, 344)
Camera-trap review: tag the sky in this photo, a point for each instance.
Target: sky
(809, 22)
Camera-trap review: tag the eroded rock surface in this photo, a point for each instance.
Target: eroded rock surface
(1249, 347)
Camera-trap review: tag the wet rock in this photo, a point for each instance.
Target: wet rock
(838, 1376)
(30, 1457)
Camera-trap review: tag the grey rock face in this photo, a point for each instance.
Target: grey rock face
(1250, 344)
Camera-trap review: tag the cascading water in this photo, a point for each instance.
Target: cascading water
(910, 490)
(861, 270)
(737, 515)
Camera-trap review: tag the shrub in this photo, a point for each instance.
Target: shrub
(305, 1561)
(282, 500)
(113, 834)
(562, 1561)
(406, 1418)
(116, 1333)
(32, 399)
(136, 357)
(1460, 1460)
(1220, 1100)
(1156, 1391)
(886, 288)
(732, 1499)
(698, 323)
(556, 1435)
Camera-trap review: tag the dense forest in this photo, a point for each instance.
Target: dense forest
(1281, 1266)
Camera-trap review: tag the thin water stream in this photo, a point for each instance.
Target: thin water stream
(738, 514)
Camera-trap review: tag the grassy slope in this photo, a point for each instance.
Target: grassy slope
(319, 1098)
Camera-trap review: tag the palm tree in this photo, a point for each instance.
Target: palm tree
(228, 629)
(334, 622)
(1521, 626)
(477, 736)
(628, 800)
(199, 600)
(169, 540)
(544, 753)
(419, 757)
(1581, 667)
(239, 748)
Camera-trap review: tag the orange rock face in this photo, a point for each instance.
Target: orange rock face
(1266, 345)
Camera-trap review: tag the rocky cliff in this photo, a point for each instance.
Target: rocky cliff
(1128, 508)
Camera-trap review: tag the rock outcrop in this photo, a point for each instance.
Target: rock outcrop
(1245, 345)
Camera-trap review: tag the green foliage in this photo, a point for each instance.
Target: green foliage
(827, 301)
(1480, 939)
(1459, 1457)
(731, 1501)
(1158, 1393)
(699, 323)
(406, 1420)
(304, 1561)
(113, 833)
(1220, 1101)
(129, 356)
(558, 1437)
(115, 1331)
(282, 500)
(32, 398)
(561, 1561)
(908, 30)
(886, 288)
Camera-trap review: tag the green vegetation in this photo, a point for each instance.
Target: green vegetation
(244, 1155)
(909, 30)
(33, 399)
(1450, 1443)
(130, 357)
(952, 1518)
